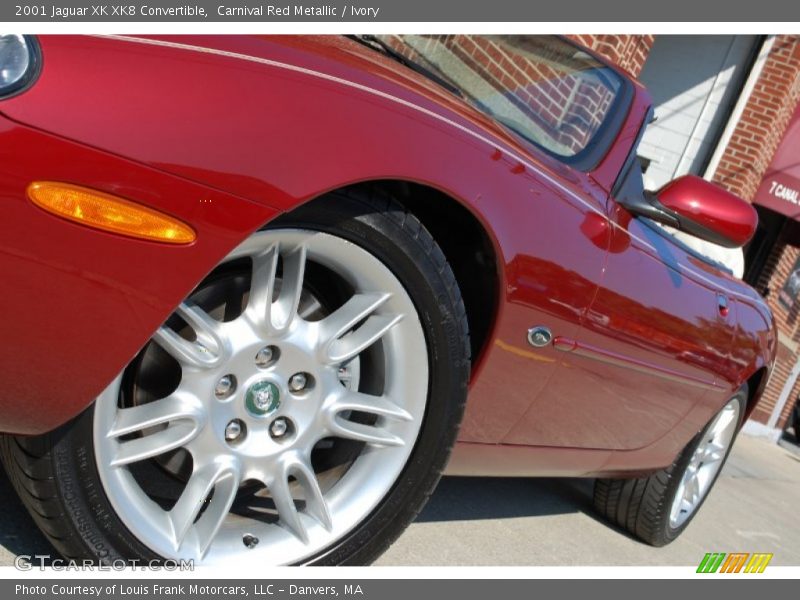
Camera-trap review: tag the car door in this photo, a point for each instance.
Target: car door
(650, 345)
(553, 271)
(550, 213)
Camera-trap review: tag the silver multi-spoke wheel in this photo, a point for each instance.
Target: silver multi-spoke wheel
(260, 402)
(705, 463)
(298, 407)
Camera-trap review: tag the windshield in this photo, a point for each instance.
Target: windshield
(543, 88)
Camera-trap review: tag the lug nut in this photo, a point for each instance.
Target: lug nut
(265, 356)
(225, 386)
(234, 430)
(250, 541)
(298, 382)
(278, 428)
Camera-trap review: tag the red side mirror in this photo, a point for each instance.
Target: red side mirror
(709, 212)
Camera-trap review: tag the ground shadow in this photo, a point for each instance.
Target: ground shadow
(455, 499)
(473, 498)
(476, 498)
(18, 533)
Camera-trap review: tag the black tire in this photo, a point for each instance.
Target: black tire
(642, 505)
(57, 479)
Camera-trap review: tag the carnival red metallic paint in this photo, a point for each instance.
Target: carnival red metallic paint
(224, 133)
(712, 207)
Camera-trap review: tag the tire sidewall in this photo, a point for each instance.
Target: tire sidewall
(448, 366)
(83, 498)
(670, 533)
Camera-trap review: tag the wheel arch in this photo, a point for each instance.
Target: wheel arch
(467, 242)
(756, 384)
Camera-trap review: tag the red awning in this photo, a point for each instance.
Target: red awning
(780, 188)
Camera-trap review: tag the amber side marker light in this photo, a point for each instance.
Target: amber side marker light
(108, 213)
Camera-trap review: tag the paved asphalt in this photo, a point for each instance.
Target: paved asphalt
(755, 507)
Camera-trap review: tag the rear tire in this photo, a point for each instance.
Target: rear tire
(649, 507)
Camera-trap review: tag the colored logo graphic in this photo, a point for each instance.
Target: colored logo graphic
(263, 398)
(735, 562)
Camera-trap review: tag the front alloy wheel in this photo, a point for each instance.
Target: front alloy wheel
(284, 413)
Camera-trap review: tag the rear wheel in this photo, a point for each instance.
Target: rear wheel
(657, 508)
(289, 411)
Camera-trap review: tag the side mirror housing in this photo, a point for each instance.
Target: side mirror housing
(706, 211)
(699, 208)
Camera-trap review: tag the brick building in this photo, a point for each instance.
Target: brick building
(723, 104)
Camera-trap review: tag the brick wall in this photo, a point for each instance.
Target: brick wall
(569, 108)
(744, 163)
(566, 107)
(628, 51)
(763, 121)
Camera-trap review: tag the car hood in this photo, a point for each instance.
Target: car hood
(179, 103)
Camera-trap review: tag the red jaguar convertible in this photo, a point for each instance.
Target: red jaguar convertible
(260, 293)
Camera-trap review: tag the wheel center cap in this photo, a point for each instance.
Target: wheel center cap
(262, 398)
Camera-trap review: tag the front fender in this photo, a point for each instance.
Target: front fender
(222, 143)
(77, 303)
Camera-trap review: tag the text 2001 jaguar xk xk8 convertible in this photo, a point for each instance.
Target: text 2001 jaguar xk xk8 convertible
(258, 291)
